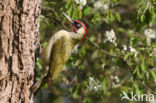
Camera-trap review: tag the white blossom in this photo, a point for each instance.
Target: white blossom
(116, 78)
(91, 79)
(103, 65)
(124, 47)
(75, 49)
(99, 5)
(132, 50)
(94, 84)
(110, 36)
(81, 3)
(153, 52)
(150, 33)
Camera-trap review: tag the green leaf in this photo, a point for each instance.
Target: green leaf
(87, 100)
(75, 13)
(118, 17)
(43, 45)
(138, 91)
(142, 18)
(69, 12)
(114, 1)
(83, 52)
(96, 18)
(147, 75)
(127, 55)
(79, 12)
(104, 84)
(52, 3)
(143, 65)
(110, 16)
(68, 3)
(153, 75)
(87, 10)
(124, 89)
(151, 10)
(133, 41)
(38, 64)
(138, 72)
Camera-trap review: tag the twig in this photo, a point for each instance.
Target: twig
(148, 88)
(149, 70)
(101, 50)
(58, 18)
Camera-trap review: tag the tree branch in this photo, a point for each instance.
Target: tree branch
(148, 88)
(101, 50)
(58, 18)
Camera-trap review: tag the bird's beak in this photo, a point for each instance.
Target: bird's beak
(69, 18)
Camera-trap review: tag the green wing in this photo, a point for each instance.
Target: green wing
(61, 51)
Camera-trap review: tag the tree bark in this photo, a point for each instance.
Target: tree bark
(19, 39)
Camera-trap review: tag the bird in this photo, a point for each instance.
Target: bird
(58, 50)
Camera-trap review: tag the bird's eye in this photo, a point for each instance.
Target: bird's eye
(78, 25)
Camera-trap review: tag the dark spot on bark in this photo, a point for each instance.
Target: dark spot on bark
(1, 6)
(1, 50)
(9, 100)
(28, 11)
(6, 84)
(0, 73)
(23, 100)
(31, 51)
(10, 67)
(2, 18)
(31, 77)
(20, 3)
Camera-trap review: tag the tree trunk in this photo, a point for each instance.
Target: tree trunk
(19, 39)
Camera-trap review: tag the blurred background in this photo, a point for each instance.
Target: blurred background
(118, 55)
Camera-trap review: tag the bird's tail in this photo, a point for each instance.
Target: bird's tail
(38, 84)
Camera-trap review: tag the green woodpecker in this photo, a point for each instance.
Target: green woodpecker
(59, 49)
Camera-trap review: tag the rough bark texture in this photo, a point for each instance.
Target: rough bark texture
(19, 38)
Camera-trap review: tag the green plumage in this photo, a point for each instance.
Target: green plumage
(59, 55)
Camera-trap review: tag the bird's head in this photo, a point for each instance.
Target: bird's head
(78, 27)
